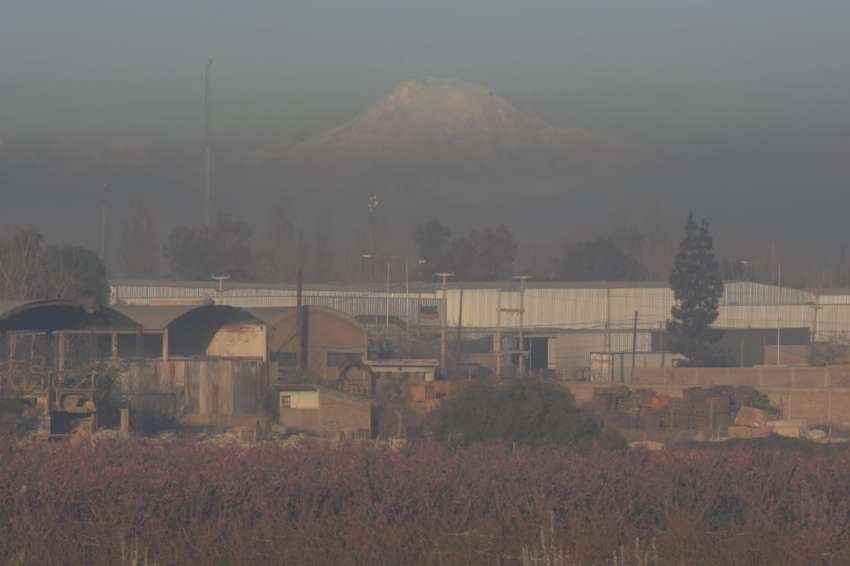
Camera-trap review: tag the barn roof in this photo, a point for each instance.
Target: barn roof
(159, 318)
(59, 314)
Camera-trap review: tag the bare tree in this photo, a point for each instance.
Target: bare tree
(71, 272)
(20, 262)
(139, 242)
(277, 260)
(29, 270)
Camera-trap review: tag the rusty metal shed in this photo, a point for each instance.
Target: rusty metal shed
(331, 339)
(49, 332)
(59, 315)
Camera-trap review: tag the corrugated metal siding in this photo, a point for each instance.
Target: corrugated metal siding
(745, 304)
(801, 316)
(833, 322)
(573, 350)
(200, 387)
(563, 308)
(748, 293)
(834, 299)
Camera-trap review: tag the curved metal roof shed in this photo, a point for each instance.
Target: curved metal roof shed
(61, 315)
(188, 330)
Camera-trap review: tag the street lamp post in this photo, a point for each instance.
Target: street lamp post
(445, 277)
(522, 352)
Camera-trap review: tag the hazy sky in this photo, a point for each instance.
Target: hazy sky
(660, 71)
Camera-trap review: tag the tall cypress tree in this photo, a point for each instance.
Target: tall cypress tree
(697, 287)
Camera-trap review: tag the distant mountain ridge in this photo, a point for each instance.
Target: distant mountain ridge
(442, 116)
(450, 138)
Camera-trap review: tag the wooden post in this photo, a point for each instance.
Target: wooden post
(498, 344)
(299, 299)
(61, 363)
(459, 352)
(165, 344)
(114, 348)
(140, 345)
(634, 346)
(125, 422)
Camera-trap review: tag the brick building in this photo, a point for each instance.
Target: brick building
(324, 412)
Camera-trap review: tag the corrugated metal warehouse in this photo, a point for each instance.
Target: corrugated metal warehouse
(552, 305)
(574, 319)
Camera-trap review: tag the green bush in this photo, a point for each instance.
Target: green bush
(529, 412)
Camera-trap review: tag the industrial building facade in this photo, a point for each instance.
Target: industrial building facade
(563, 323)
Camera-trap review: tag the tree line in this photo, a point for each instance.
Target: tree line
(30, 269)
(490, 254)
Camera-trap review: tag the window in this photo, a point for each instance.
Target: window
(284, 359)
(340, 359)
(429, 312)
(299, 400)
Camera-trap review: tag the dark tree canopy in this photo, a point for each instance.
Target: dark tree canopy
(600, 259)
(196, 253)
(697, 287)
(277, 259)
(71, 272)
(484, 255)
(525, 411)
(29, 270)
(432, 239)
(481, 255)
(139, 252)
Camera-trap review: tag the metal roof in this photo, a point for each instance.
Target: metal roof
(270, 315)
(380, 287)
(8, 307)
(58, 314)
(836, 292)
(158, 318)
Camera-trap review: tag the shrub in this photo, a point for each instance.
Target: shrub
(523, 411)
(198, 503)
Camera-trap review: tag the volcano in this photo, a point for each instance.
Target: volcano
(449, 139)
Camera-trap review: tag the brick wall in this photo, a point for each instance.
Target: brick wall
(338, 416)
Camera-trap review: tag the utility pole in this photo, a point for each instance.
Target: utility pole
(406, 296)
(779, 313)
(498, 343)
(634, 346)
(387, 323)
(814, 333)
(459, 329)
(103, 226)
(373, 206)
(522, 353)
(207, 151)
(300, 359)
(608, 327)
(445, 277)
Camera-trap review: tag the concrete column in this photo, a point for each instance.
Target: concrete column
(165, 344)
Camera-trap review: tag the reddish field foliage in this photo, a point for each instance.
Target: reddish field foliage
(192, 503)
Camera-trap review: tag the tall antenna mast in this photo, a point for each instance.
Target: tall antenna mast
(207, 157)
(103, 224)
